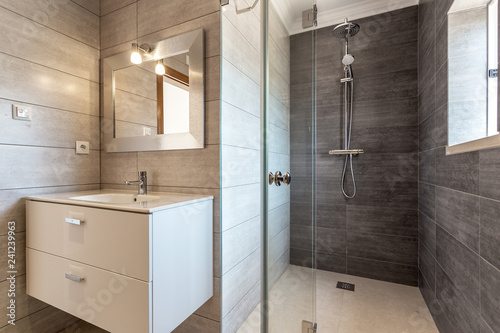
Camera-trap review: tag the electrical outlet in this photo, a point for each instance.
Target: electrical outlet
(21, 112)
(147, 131)
(82, 147)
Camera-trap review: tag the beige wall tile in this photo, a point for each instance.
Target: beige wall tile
(137, 81)
(60, 15)
(169, 168)
(212, 119)
(116, 168)
(54, 167)
(155, 15)
(134, 108)
(47, 87)
(239, 128)
(48, 127)
(239, 52)
(239, 204)
(119, 26)
(239, 90)
(108, 6)
(212, 79)
(239, 242)
(237, 282)
(241, 166)
(210, 24)
(26, 39)
(92, 5)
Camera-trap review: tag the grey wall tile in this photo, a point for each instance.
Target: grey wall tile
(239, 204)
(49, 319)
(490, 232)
(239, 128)
(460, 264)
(389, 193)
(195, 323)
(427, 166)
(427, 101)
(462, 314)
(393, 249)
(459, 172)
(239, 166)
(489, 173)
(385, 271)
(438, 314)
(332, 241)
(301, 237)
(427, 265)
(382, 220)
(490, 298)
(458, 213)
(239, 242)
(427, 232)
(91, 5)
(245, 95)
(331, 262)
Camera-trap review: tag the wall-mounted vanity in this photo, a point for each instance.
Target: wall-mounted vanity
(121, 261)
(148, 110)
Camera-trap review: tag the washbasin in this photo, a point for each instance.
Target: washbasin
(116, 198)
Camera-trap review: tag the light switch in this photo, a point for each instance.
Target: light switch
(82, 147)
(21, 112)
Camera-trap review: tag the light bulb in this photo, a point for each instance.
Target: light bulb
(160, 69)
(136, 58)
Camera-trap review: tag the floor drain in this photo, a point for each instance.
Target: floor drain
(345, 286)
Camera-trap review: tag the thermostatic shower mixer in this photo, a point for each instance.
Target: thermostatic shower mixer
(278, 178)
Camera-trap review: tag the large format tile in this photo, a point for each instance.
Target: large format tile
(195, 323)
(458, 213)
(63, 15)
(382, 220)
(427, 232)
(427, 265)
(427, 166)
(489, 173)
(426, 199)
(239, 128)
(239, 242)
(490, 298)
(47, 87)
(155, 15)
(332, 241)
(460, 264)
(49, 127)
(462, 315)
(385, 271)
(108, 6)
(119, 26)
(490, 232)
(239, 204)
(239, 166)
(245, 95)
(55, 167)
(394, 249)
(459, 172)
(37, 43)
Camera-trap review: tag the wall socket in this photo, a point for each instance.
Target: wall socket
(82, 147)
(21, 112)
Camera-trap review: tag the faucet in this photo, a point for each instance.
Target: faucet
(142, 183)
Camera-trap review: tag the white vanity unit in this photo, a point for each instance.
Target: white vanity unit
(123, 262)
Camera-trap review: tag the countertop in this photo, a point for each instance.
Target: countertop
(166, 201)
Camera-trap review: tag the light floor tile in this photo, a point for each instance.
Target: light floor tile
(375, 306)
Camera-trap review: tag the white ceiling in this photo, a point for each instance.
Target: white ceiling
(332, 12)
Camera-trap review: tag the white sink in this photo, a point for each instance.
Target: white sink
(117, 198)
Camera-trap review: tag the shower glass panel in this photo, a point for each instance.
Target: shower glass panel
(289, 271)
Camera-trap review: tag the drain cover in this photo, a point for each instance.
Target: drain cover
(345, 286)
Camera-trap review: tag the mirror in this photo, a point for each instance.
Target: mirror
(145, 111)
(472, 70)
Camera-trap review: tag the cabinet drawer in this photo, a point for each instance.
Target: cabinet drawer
(108, 239)
(111, 301)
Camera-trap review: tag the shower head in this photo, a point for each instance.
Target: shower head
(346, 29)
(348, 59)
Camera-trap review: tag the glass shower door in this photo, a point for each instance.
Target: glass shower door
(289, 167)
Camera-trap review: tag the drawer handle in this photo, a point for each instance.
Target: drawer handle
(74, 278)
(74, 221)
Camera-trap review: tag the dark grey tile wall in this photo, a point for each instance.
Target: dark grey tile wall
(375, 234)
(459, 225)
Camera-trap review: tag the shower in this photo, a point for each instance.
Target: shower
(347, 30)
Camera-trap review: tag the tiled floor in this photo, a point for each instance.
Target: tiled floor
(374, 307)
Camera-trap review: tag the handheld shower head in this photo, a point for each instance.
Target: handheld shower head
(348, 59)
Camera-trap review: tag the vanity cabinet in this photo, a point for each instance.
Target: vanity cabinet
(123, 271)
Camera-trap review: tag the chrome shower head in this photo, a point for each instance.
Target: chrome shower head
(348, 59)
(346, 29)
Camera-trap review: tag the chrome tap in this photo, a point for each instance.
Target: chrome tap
(142, 183)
